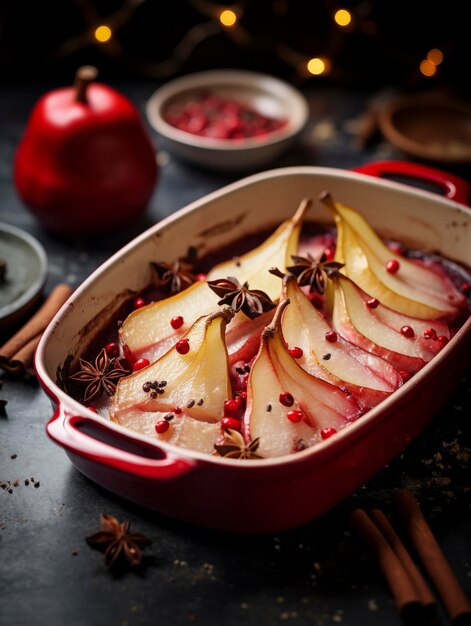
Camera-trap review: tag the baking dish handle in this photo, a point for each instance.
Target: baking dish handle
(67, 430)
(451, 186)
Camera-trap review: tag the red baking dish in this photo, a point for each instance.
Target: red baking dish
(268, 495)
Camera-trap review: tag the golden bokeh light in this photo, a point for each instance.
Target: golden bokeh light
(103, 33)
(342, 17)
(318, 66)
(228, 18)
(435, 56)
(427, 68)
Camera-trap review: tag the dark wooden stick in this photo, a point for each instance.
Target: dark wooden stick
(433, 559)
(384, 525)
(405, 595)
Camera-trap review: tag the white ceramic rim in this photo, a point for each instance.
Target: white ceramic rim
(298, 116)
(323, 447)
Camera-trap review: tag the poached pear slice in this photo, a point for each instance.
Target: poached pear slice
(274, 373)
(276, 251)
(378, 329)
(195, 383)
(367, 376)
(148, 332)
(414, 289)
(183, 431)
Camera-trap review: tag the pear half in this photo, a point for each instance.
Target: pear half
(378, 330)
(195, 387)
(367, 376)
(147, 331)
(275, 372)
(415, 289)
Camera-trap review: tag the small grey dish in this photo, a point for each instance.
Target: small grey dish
(25, 275)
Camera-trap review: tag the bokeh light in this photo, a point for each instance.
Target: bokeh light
(228, 18)
(342, 17)
(103, 33)
(427, 68)
(435, 56)
(318, 66)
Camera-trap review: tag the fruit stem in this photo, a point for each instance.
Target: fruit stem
(304, 205)
(84, 76)
(327, 200)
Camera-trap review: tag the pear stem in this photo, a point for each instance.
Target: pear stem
(275, 326)
(84, 76)
(327, 200)
(304, 205)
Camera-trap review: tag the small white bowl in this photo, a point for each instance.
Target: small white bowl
(266, 94)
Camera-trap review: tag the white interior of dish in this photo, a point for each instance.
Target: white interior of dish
(415, 217)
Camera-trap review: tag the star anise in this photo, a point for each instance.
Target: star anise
(314, 272)
(234, 446)
(173, 277)
(115, 540)
(99, 377)
(252, 302)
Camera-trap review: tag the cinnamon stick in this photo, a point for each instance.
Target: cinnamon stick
(433, 559)
(20, 348)
(426, 596)
(405, 595)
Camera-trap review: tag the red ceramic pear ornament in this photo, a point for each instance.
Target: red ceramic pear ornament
(85, 164)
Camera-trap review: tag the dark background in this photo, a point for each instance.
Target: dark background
(316, 575)
(383, 45)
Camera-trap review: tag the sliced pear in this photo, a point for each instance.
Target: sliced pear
(184, 431)
(197, 382)
(415, 289)
(147, 331)
(275, 372)
(378, 330)
(276, 251)
(369, 377)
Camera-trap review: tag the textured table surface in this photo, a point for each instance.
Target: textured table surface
(318, 574)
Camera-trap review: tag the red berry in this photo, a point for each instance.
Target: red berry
(162, 426)
(112, 349)
(442, 341)
(408, 331)
(296, 352)
(405, 375)
(138, 303)
(177, 322)
(329, 253)
(182, 346)
(295, 416)
(140, 364)
(232, 405)
(327, 432)
(230, 422)
(177, 410)
(372, 303)
(430, 333)
(201, 277)
(465, 288)
(92, 408)
(331, 336)
(286, 399)
(392, 266)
